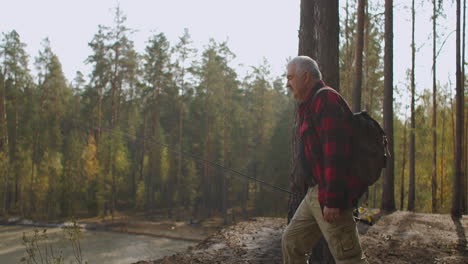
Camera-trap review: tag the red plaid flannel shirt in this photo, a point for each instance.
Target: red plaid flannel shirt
(326, 133)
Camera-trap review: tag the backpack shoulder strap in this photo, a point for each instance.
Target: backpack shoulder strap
(326, 88)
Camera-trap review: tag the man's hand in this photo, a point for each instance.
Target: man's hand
(331, 214)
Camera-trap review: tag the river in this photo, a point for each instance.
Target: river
(98, 247)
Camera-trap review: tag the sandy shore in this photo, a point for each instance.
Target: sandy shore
(163, 228)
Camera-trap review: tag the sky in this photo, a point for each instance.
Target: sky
(254, 30)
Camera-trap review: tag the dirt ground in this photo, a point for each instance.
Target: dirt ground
(404, 237)
(400, 237)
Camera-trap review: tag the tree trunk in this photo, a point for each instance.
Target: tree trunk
(113, 121)
(143, 148)
(412, 176)
(456, 211)
(35, 142)
(4, 148)
(227, 156)
(357, 89)
(402, 183)
(181, 123)
(157, 156)
(348, 57)
(98, 134)
(388, 196)
(31, 180)
(181, 134)
(366, 88)
(318, 39)
(206, 169)
(13, 156)
(434, 110)
(465, 145)
(442, 163)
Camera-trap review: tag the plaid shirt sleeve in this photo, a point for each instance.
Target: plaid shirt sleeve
(333, 144)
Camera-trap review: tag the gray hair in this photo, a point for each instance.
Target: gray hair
(306, 64)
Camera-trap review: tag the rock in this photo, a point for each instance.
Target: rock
(13, 220)
(26, 222)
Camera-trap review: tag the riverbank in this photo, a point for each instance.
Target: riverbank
(180, 230)
(97, 247)
(397, 238)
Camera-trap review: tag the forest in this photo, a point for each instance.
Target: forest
(153, 132)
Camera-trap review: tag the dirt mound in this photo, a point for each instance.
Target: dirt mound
(400, 237)
(404, 237)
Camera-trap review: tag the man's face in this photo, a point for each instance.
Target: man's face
(296, 83)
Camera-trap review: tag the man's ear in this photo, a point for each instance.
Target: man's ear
(307, 77)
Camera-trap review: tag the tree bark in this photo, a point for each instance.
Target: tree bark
(465, 145)
(434, 110)
(115, 87)
(98, 134)
(319, 37)
(357, 89)
(180, 136)
(348, 58)
(227, 157)
(14, 142)
(388, 196)
(412, 176)
(402, 183)
(457, 211)
(442, 163)
(157, 154)
(4, 147)
(206, 168)
(143, 147)
(366, 88)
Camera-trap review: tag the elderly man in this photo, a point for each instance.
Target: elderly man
(325, 137)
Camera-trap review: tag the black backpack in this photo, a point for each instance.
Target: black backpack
(369, 146)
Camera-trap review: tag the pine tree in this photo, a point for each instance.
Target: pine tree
(99, 81)
(358, 60)
(412, 148)
(155, 71)
(434, 105)
(457, 209)
(184, 52)
(15, 78)
(49, 139)
(388, 198)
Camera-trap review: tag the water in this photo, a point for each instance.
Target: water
(98, 247)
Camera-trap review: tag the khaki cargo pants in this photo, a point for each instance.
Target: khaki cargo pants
(307, 226)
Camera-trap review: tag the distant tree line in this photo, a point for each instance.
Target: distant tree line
(110, 141)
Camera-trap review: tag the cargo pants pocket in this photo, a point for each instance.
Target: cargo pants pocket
(347, 244)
